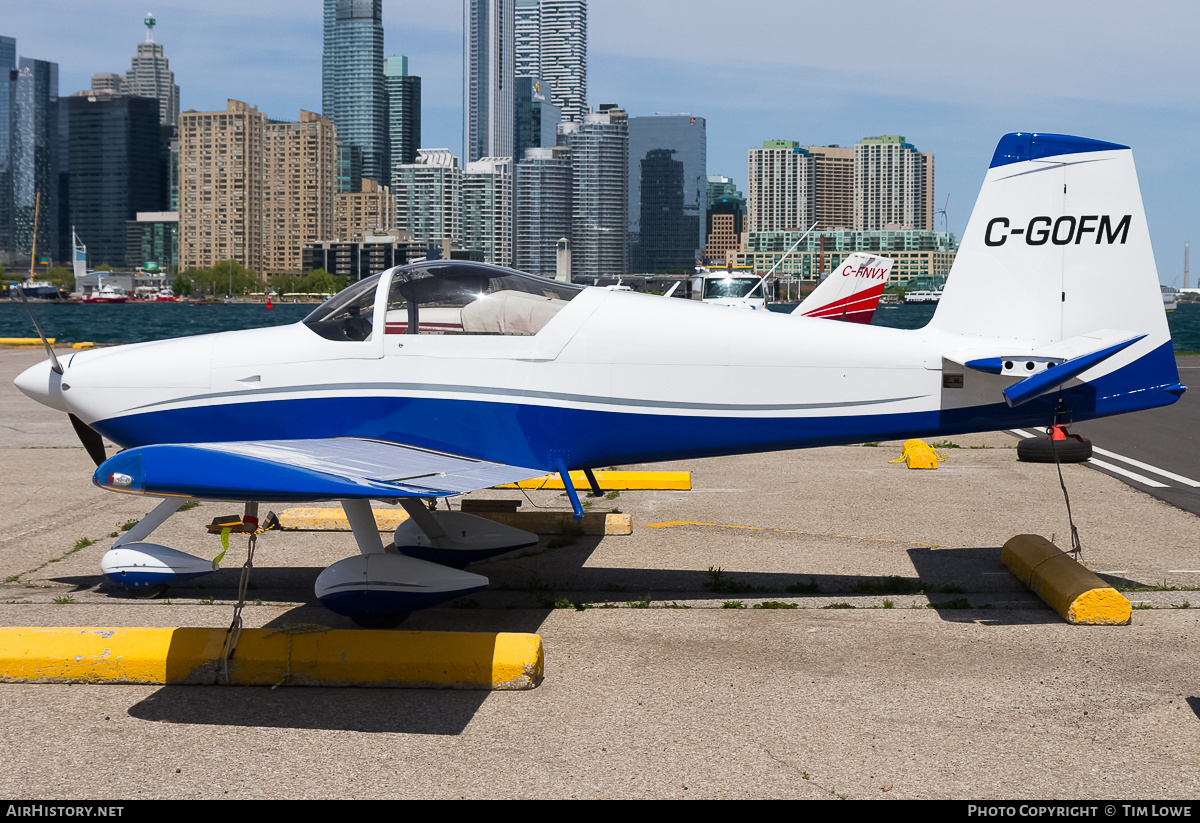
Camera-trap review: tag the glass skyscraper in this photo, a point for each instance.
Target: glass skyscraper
(29, 154)
(600, 182)
(353, 91)
(536, 119)
(404, 112)
(8, 102)
(115, 148)
(488, 45)
(543, 207)
(668, 191)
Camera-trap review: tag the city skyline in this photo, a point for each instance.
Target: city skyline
(968, 76)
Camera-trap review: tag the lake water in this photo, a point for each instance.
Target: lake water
(136, 322)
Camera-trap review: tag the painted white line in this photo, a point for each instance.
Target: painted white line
(1125, 473)
(1184, 571)
(1178, 478)
(1147, 467)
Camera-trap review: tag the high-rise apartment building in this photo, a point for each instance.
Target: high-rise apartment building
(600, 177)
(919, 255)
(404, 112)
(487, 209)
(564, 45)
(150, 75)
(551, 43)
(353, 91)
(726, 219)
(893, 185)
(780, 187)
(299, 164)
(833, 173)
(107, 83)
(543, 207)
(254, 190)
(364, 213)
(220, 186)
(488, 45)
(115, 150)
(527, 36)
(667, 192)
(429, 197)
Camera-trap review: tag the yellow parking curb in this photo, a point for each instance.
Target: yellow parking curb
(25, 341)
(269, 657)
(1077, 594)
(538, 522)
(334, 520)
(611, 481)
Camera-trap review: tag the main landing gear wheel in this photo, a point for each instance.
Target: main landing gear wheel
(150, 593)
(1071, 449)
(381, 621)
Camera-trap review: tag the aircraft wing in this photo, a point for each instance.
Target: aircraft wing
(270, 471)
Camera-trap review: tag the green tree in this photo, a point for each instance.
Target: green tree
(63, 278)
(320, 281)
(183, 285)
(286, 283)
(221, 276)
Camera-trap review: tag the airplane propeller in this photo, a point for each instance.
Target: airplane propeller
(90, 438)
(93, 443)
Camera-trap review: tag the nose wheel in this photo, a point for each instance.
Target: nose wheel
(151, 593)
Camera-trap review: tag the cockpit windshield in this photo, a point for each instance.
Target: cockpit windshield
(446, 297)
(728, 287)
(349, 314)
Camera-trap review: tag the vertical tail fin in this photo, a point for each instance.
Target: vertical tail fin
(850, 292)
(1057, 249)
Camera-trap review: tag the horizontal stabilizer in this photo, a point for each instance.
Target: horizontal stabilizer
(1050, 372)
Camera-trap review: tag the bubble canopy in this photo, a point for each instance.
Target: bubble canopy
(444, 297)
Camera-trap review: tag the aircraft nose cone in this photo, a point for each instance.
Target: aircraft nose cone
(43, 384)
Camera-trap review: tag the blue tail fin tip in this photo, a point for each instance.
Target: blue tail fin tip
(1020, 146)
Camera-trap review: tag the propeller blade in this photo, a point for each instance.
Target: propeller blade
(90, 438)
(58, 369)
(37, 205)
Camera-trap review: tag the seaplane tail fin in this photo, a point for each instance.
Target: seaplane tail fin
(850, 292)
(1057, 249)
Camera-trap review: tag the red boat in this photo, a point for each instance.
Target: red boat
(106, 294)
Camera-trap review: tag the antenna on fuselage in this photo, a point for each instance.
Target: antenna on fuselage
(763, 279)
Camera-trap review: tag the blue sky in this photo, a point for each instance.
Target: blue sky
(950, 76)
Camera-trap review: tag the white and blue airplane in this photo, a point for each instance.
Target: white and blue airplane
(1052, 314)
